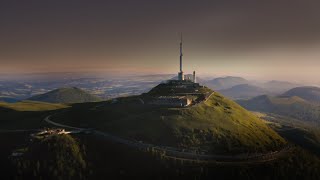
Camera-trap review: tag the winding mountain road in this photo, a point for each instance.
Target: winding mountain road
(178, 154)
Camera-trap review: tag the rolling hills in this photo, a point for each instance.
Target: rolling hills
(66, 95)
(294, 107)
(273, 87)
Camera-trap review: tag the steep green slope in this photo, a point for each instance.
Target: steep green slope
(294, 107)
(66, 95)
(217, 125)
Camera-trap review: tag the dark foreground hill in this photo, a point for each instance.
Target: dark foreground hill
(66, 95)
(308, 93)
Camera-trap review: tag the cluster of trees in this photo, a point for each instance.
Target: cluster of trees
(54, 157)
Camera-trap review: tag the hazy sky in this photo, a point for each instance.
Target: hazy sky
(273, 39)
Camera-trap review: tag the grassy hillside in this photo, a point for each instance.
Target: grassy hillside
(294, 107)
(218, 125)
(66, 95)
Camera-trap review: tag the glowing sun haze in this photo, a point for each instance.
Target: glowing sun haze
(258, 39)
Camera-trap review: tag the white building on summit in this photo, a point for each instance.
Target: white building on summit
(181, 76)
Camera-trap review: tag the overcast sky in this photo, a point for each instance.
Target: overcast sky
(274, 39)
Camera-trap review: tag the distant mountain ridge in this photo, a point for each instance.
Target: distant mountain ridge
(238, 87)
(293, 106)
(278, 86)
(243, 91)
(226, 82)
(309, 93)
(66, 95)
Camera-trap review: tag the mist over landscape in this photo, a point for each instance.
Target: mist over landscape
(108, 86)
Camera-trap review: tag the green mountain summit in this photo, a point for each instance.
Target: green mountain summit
(209, 123)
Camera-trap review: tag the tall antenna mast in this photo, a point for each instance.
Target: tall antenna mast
(181, 54)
